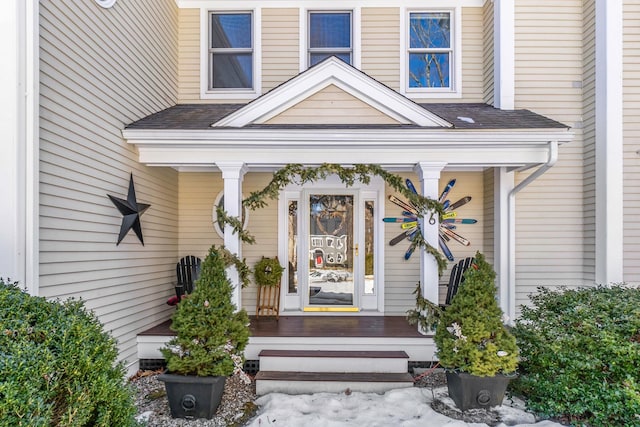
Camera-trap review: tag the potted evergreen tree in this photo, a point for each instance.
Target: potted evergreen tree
(210, 339)
(473, 345)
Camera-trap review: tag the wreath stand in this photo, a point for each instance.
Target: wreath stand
(268, 301)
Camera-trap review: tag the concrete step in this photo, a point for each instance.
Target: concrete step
(334, 361)
(290, 382)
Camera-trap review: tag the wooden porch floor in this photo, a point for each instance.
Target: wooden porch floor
(319, 326)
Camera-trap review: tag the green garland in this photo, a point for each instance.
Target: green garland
(426, 314)
(299, 174)
(268, 272)
(241, 266)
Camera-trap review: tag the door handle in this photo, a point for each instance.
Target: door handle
(356, 250)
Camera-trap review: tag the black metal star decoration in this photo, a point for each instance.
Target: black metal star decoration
(131, 211)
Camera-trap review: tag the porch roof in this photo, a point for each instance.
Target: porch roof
(476, 116)
(480, 136)
(342, 109)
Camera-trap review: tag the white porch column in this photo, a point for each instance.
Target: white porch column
(609, 143)
(429, 175)
(232, 174)
(504, 54)
(504, 239)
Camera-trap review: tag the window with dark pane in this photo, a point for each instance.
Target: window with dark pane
(231, 51)
(330, 35)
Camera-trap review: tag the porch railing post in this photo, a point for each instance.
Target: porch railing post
(232, 174)
(429, 175)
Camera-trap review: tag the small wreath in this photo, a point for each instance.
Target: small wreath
(268, 272)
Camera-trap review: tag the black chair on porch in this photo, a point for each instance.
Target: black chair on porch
(456, 278)
(187, 272)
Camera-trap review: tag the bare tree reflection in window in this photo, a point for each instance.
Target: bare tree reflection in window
(430, 50)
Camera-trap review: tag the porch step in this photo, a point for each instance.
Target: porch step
(312, 371)
(289, 382)
(334, 361)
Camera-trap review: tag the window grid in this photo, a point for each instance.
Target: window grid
(233, 55)
(316, 54)
(436, 57)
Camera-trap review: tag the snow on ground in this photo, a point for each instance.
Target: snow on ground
(408, 407)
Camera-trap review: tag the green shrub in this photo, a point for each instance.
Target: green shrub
(57, 365)
(210, 334)
(581, 355)
(470, 335)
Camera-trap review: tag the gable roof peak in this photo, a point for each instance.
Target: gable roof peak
(332, 71)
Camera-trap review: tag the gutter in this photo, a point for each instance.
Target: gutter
(553, 158)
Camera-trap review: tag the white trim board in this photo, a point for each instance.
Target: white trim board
(230, 4)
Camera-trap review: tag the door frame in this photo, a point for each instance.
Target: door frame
(368, 304)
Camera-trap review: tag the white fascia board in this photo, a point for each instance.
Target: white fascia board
(263, 157)
(332, 71)
(341, 137)
(264, 148)
(186, 4)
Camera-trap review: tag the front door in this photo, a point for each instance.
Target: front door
(333, 245)
(334, 255)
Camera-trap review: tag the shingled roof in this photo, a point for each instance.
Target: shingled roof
(461, 115)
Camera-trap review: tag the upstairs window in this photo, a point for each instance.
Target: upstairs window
(230, 50)
(330, 34)
(430, 52)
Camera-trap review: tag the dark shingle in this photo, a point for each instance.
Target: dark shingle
(484, 116)
(461, 115)
(186, 116)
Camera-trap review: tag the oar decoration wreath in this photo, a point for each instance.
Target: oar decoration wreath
(300, 174)
(412, 225)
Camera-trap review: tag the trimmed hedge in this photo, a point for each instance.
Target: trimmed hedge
(580, 352)
(57, 365)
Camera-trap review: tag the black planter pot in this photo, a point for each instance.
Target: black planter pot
(191, 396)
(473, 392)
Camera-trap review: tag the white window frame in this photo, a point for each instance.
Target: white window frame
(455, 89)
(355, 34)
(256, 25)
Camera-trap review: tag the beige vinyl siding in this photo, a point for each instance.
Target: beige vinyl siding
(198, 192)
(548, 74)
(280, 46)
(473, 60)
(589, 131)
(93, 81)
(631, 90)
(488, 52)
(263, 224)
(189, 56)
(381, 45)
(332, 105)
